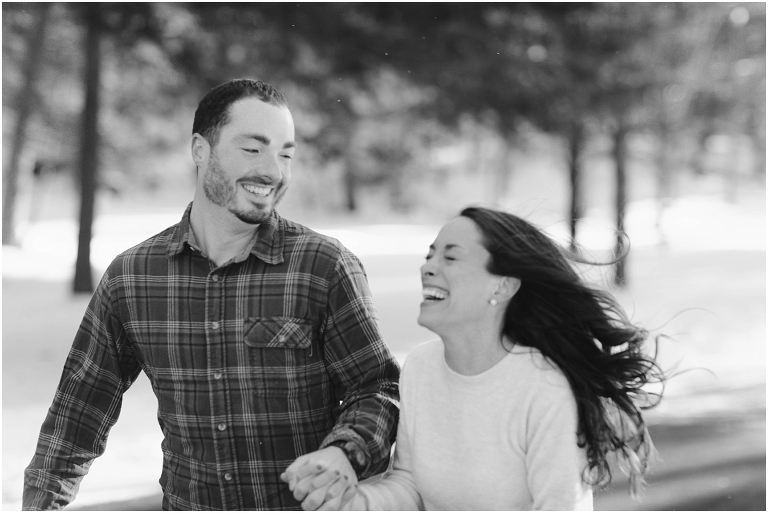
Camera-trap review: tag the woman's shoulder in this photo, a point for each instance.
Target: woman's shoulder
(425, 351)
(539, 372)
(423, 356)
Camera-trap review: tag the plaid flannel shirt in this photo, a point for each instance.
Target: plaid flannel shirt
(270, 356)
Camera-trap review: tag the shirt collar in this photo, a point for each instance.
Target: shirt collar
(267, 244)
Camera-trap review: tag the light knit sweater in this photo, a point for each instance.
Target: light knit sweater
(504, 439)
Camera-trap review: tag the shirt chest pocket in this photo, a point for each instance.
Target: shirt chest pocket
(282, 355)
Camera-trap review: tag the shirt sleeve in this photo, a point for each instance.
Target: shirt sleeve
(99, 369)
(395, 490)
(364, 372)
(554, 460)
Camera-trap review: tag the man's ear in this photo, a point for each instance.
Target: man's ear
(507, 288)
(201, 150)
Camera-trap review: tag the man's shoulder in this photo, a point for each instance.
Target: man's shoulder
(153, 247)
(302, 237)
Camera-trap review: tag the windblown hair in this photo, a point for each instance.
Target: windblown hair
(213, 110)
(583, 331)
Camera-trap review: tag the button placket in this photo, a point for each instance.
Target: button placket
(216, 335)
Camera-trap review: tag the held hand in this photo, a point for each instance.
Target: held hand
(347, 501)
(332, 497)
(320, 476)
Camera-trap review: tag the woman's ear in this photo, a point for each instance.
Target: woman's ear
(507, 288)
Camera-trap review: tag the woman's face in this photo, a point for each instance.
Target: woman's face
(456, 285)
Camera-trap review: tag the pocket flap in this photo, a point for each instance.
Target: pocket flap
(289, 332)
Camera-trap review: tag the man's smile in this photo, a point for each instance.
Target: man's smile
(258, 190)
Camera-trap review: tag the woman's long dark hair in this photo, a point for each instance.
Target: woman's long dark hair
(583, 331)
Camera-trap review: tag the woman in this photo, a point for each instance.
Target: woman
(535, 380)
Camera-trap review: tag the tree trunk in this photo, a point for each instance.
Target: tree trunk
(757, 133)
(700, 154)
(665, 168)
(759, 166)
(350, 184)
(89, 145)
(24, 109)
(350, 179)
(620, 160)
(759, 169)
(575, 149)
(503, 171)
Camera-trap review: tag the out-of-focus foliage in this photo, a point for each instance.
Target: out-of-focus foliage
(378, 88)
(141, 89)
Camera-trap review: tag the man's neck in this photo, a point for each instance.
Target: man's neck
(218, 233)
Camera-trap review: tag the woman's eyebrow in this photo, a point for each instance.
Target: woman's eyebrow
(447, 246)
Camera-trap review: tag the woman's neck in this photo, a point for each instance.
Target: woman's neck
(472, 354)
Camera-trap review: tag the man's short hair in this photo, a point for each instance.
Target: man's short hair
(213, 110)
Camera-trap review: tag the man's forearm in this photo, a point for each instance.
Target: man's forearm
(46, 489)
(366, 429)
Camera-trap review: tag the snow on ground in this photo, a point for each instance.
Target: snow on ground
(690, 224)
(702, 277)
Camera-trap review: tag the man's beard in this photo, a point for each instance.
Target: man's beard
(223, 193)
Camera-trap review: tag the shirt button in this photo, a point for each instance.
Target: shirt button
(215, 277)
(228, 476)
(281, 338)
(217, 375)
(222, 426)
(215, 325)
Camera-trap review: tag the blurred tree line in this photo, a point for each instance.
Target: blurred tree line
(376, 87)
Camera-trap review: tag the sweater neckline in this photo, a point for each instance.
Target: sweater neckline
(488, 374)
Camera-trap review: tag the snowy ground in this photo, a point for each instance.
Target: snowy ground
(701, 280)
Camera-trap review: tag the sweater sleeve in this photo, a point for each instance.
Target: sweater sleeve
(554, 460)
(395, 489)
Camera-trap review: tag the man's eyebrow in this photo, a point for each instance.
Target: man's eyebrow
(263, 139)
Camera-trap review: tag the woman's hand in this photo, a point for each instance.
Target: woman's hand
(336, 498)
(322, 479)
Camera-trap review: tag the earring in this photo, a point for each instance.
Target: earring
(493, 302)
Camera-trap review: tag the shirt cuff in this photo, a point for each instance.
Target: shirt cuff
(354, 448)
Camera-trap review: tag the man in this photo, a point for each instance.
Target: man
(258, 335)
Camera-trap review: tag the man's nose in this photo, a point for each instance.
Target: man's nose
(270, 169)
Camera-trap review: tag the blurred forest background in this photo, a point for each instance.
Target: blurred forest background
(589, 119)
(409, 109)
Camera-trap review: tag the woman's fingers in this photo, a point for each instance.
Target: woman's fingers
(302, 481)
(318, 496)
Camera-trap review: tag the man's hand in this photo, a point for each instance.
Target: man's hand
(320, 477)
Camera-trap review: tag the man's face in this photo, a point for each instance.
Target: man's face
(248, 171)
